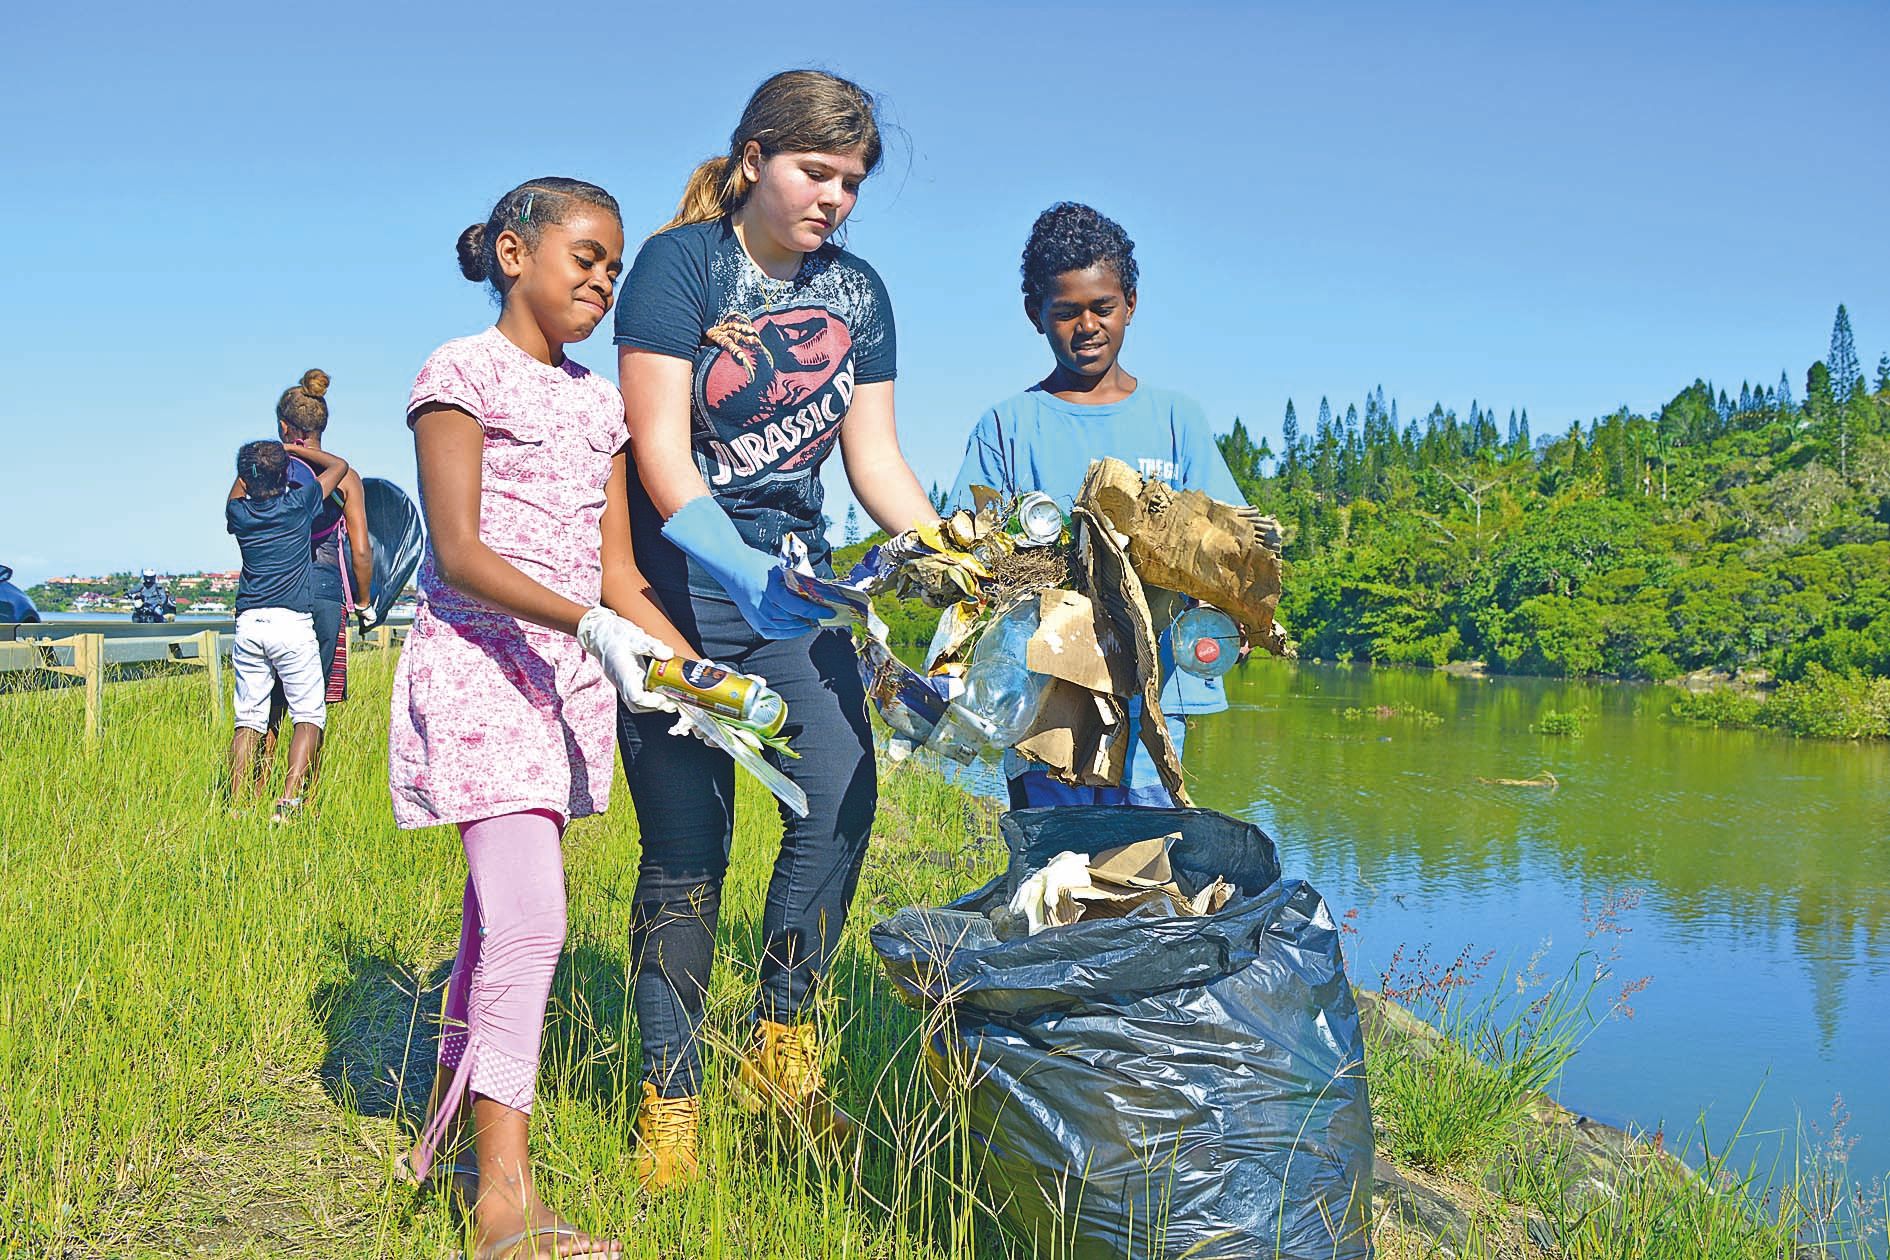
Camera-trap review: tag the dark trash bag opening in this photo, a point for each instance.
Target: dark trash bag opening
(1153, 1087)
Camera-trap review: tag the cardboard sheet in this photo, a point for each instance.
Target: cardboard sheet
(1080, 736)
(1117, 592)
(1077, 644)
(1134, 878)
(1220, 553)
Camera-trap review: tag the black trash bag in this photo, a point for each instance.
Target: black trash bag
(1153, 1086)
(397, 537)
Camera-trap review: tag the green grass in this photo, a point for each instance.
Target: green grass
(213, 1032)
(212, 1029)
(1558, 722)
(1458, 1091)
(1449, 1091)
(1824, 704)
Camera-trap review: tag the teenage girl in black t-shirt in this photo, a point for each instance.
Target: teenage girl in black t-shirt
(750, 347)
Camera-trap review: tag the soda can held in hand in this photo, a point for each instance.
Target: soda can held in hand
(722, 691)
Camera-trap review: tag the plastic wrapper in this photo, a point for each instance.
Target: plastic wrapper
(1152, 1086)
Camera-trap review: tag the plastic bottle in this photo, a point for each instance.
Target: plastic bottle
(1206, 642)
(1000, 702)
(1007, 638)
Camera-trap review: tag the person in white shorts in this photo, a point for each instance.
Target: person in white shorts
(275, 628)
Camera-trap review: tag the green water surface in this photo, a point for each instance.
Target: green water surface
(1749, 872)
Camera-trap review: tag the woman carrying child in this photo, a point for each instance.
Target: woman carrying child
(506, 696)
(341, 558)
(750, 346)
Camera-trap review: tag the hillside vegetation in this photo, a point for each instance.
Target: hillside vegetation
(1720, 533)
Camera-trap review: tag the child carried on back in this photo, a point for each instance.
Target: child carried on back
(274, 523)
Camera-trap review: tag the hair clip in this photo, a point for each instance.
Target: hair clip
(525, 215)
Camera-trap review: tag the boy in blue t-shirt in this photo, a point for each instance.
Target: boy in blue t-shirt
(274, 521)
(1079, 292)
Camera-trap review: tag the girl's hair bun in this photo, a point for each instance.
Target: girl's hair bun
(315, 382)
(472, 253)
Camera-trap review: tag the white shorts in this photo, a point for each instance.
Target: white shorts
(274, 643)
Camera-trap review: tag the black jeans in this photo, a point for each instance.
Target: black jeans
(684, 793)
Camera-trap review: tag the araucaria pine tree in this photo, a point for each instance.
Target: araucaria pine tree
(1845, 373)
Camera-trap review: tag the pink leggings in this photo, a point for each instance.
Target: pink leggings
(511, 931)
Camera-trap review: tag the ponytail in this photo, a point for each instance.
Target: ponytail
(716, 187)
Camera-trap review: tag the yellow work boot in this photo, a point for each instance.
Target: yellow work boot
(666, 1141)
(780, 1073)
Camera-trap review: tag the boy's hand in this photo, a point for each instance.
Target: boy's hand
(365, 617)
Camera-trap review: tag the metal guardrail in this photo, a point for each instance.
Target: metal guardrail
(122, 626)
(77, 649)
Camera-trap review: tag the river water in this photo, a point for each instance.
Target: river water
(1749, 871)
(1745, 876)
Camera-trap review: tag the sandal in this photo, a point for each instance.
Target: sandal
(507, 1248)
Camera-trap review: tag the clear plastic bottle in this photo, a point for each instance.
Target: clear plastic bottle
(1007, 638)
(1206, 642)
(1006, 695)
(1000, 702)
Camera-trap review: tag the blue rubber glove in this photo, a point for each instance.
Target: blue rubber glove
(753, 579)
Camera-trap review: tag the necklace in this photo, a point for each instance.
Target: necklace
(774, 292)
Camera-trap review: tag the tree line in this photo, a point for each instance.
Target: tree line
(1727, 530)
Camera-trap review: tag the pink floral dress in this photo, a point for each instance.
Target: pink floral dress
(492, 715)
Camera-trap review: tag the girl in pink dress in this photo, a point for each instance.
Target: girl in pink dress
(505, 699)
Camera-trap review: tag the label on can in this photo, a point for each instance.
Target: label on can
(710, 686)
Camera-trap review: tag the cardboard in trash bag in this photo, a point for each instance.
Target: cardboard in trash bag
(1128, 880)
(1153, 1087)
(1224, 554)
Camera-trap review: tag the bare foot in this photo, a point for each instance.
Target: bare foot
(505, 1233)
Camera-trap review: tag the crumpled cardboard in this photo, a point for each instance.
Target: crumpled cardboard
(1076, 643)
(1117, 592)
(1134, 878)
(1080, 736)
(1181, 540)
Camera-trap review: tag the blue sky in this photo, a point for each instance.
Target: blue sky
(1566, 210)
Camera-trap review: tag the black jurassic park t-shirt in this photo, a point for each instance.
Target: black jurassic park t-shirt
(776, 364)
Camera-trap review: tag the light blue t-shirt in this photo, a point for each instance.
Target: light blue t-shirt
(1037, 441)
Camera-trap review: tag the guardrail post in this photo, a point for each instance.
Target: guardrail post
(210, 653)
(88, 658)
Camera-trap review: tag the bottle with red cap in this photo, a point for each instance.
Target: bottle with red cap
(1206, 642)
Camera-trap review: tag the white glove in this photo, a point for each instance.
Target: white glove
(625, 651)
(688, 724)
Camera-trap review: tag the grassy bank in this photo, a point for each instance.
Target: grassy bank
(212, 1030)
